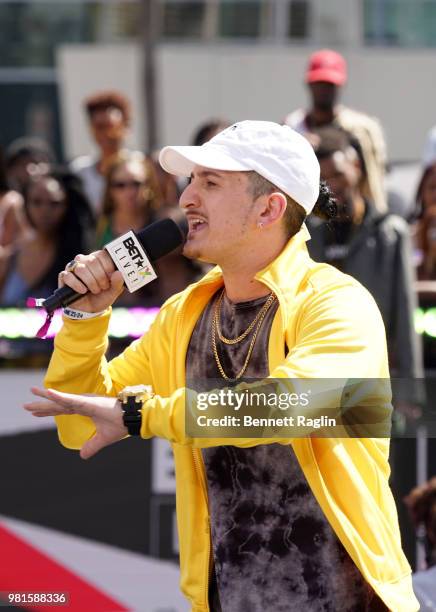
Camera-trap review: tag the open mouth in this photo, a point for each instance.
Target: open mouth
(196, 225)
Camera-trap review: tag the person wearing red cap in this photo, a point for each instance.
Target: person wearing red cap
(326, 74)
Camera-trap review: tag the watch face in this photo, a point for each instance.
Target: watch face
(135, 390)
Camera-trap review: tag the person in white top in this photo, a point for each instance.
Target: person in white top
(109, 115)
(326, 74)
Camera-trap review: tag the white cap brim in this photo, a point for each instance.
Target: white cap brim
(181, 160)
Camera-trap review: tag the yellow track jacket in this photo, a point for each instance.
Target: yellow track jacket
(332, 328)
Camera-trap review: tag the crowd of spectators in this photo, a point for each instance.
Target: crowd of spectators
(48, 214)
(57, 213)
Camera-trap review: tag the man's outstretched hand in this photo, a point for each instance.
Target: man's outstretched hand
(104, 411)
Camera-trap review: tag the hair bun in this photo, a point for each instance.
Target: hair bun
(325, 207)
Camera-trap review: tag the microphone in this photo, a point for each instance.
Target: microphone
(132, 253)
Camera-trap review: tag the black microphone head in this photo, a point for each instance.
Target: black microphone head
(162, 237)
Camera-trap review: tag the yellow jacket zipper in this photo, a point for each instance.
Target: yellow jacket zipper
(199, 469)
(209, 565)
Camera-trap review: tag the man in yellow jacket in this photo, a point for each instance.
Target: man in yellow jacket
(265, 523)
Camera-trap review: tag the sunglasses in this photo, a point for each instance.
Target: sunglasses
(126, 184)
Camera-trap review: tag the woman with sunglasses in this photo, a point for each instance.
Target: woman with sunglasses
(60, 223)
(131, 201)
(131, 198)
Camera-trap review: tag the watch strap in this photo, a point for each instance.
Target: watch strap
(132, 399)
(132, 417)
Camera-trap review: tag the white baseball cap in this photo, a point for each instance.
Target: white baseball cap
(276, 152)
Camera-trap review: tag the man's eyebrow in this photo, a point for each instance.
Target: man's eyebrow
(206, 173)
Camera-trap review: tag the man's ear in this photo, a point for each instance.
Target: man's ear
(274, 209)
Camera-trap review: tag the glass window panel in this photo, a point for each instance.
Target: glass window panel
(369, 22)
(298, 19)
(406, 23)
(240, 19)
(31, 31)
(127, 20)
(32, 109)
(183, 19)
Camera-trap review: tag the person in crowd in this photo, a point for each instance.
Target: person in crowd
(109, 115)
(60, 221)
(326, 74)
(424, 230)
(421, 504)
(25, 158)
(12, 219)
(168, 186)
(372, 247)
(265, 523)
(208, 130)
(131, 198)
(131, 201)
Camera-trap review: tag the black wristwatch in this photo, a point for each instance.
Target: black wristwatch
(132, 400)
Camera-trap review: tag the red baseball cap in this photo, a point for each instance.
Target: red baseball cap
(328, 66)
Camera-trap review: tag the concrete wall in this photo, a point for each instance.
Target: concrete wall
(244, 81)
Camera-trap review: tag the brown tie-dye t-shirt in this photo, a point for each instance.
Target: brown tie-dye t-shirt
(273, 548)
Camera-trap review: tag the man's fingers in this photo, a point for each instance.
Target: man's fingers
(94, 273)
(85, 274)
(90, 273)
(70, 279)
(40, 392)
(117, 282)
(95, 270)
(105, 261)
(56, 396)
(45, 411)
(47, 408)
(101, 273)
(60, 403)
(52, 404)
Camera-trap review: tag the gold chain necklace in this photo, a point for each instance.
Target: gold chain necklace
(215, 328)
(260, 314)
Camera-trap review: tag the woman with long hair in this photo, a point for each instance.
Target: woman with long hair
(132, 201)
(12, 220)
(131, 198)
(60, 223)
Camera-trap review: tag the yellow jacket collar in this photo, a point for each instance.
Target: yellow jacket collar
(284, 274)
